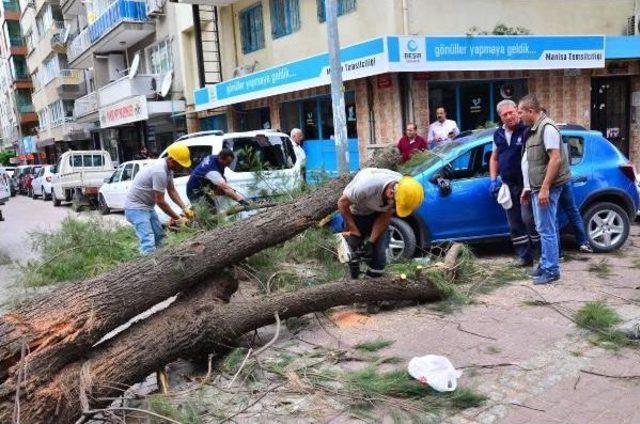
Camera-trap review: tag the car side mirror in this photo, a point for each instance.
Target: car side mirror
(444, 185)
(108, 179)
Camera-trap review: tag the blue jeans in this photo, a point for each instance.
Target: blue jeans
(148, 228)
(547, 226)
(567, 204)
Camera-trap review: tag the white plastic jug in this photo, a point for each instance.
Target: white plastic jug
(436, 371)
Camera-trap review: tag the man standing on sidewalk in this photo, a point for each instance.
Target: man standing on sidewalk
(411, 142)
(508, 142)
(547, 169)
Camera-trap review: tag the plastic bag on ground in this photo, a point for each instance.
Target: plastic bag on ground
(436, 371)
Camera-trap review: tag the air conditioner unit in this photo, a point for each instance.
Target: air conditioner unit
(633, 25)
(155, 7)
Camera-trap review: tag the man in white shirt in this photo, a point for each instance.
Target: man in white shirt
(443, 130)
(297, 136)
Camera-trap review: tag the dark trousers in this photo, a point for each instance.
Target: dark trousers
(567, 203)
(379, 259)
(525, 238)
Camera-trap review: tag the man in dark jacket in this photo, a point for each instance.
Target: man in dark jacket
(411, 142)
(508, 142)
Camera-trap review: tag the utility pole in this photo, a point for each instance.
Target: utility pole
(337, 92)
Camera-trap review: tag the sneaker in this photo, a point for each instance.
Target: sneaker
(545, 278)
(535, 272)
(586, 248)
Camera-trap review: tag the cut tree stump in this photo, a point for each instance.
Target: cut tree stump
(196, 323)
(41, 336)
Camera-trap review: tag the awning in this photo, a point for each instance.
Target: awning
(421, 54)
(41, 144)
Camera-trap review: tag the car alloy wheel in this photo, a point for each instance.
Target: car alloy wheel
(606, 228)
(396, 245)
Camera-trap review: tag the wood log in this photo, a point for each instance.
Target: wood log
(196, 323)
(41, 336)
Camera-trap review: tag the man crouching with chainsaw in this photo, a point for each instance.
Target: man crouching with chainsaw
(367, 204)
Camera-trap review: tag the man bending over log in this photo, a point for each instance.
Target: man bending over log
(367, 204)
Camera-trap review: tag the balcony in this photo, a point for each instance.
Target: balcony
(124, 23)
(68, 84)
(125, 87)
(67, 130)
(85, 106)
(11, 11)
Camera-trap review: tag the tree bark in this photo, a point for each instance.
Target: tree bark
(196, 323)
(41, 336)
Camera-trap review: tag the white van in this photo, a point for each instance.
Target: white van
(114, 191)
(79, 175)
(265, 163)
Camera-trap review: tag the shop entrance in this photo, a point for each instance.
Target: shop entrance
(610, 110)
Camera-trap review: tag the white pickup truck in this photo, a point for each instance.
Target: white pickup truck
(78, 176)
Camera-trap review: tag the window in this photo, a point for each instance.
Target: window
(115, 178)
(160, 58)
(344, 7)
(197, 154)
(127, 174)
(75, 161)
(575, 148)
(285, 17)
(256, 119)
(258, 154)
(251, 28)
(315, 116)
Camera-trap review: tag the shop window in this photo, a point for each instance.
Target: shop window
(160, 59)
(252, 28)
(315, 117)
(344, 7)
(255, 119)
(216, 122)
(290, 116)
(326, 118)
(285, 17)
(310, 126)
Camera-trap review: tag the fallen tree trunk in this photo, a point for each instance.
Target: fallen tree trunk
(41, 336)
(195, 323)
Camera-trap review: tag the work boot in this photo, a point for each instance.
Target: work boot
(545, 278)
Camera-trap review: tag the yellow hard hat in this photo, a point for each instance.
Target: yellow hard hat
(180, 153)
(409, 195)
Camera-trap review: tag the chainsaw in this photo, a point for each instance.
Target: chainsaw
(350, 250)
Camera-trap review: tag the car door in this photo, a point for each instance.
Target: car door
(578, 148)
(122, 187)
(109, 190)
(469, 211)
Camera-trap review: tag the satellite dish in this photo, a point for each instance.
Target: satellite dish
(65, 37)
(166, 84)
(135, 64)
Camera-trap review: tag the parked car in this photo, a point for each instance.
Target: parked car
(114, 190)
(603, 185)
(27, 177)
(265, 162)
(79, 175)
(19, 177)
(5, 186)
(42, 184)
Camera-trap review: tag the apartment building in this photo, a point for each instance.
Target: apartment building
(16, 110)
(403, 58)
(135, 57)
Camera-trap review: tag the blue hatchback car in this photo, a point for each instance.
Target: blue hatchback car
(459, 207)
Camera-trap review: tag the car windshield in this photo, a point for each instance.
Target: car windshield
(422, 161)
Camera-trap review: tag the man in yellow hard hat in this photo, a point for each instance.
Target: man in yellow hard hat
(367, 204)
(148, 190)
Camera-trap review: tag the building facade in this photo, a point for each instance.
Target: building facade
(398, 66)
(19, 120)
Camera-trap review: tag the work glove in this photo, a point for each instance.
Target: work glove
(188, 213)
(494, 187)
(180, 222)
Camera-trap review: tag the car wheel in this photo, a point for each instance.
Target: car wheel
(56, 202)
(402, 243)
(102, 205)
(607, 225)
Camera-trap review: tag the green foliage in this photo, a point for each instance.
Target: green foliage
(602, 268)
(374, 345)
(597, 316)
(5, 155)
(233, 360)
(187, 413)
(499, 29)
(312, 249)
(79, 249)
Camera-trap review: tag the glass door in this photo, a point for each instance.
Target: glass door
(610, 110)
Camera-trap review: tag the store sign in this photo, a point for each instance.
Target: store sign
(358, 61)
(412, 54)
(126, 111)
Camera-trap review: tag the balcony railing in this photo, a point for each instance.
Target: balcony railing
(71, 76)
(79, 45)
(127, 87)
(21, 76)
(85, 105)
(25, 107)
(119, 11)
(16, 40)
